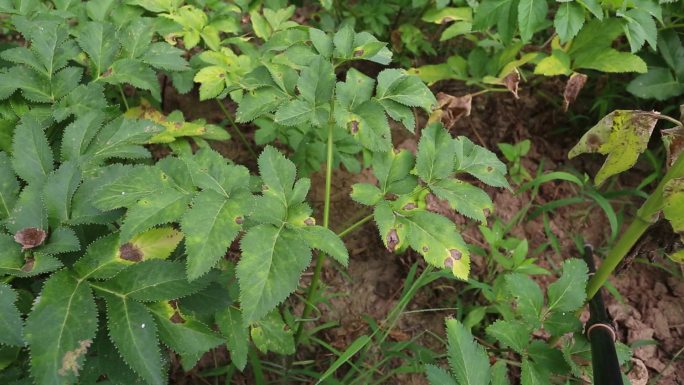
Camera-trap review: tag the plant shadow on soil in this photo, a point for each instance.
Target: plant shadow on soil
(651, 307)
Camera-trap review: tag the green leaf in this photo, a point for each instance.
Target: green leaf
(622, 135)
(134, 333)
(528, 295)
(58, 191)
(502, 13)
(568, 292)
(10, 318)
(57, 352)
(392, 170)
(531, 375)
(153, 280)
(271, 334)
(323, 239)
(257, 102)
(272, 260)
(355, 90)
(29, 211)
(185, 335)
(366, 194)
(163, 56)
(438, 376)
(479, 162)
(321, 41)
(436, 238)
(499, 374)
(468, 360)
(102, 259)
(210, 226)
(317, 81)
(294, 113)
(370, 125)
(556, 64)
(559, 324)
(568, 21)
(658, 83)
(435, 158)
(135, 73)
(344, 41)
(409, 90)
(531, 16)
(640, 28)
(229, 321)
(32, 155)
(137, 183)
(465, 198)
(512, 334)
(9, 187)
(167, 206)
(673, 207)
(137, 35)
(96, 39)
(122, 138)
(672, 51)
(79, 134)
(61, 240)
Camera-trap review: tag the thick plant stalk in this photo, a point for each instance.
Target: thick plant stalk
(645, 218)
(313, 287)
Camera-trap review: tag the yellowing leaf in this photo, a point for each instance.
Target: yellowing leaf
(173, 126)
(622, 135)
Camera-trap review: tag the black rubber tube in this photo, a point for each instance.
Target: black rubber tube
(601, 335)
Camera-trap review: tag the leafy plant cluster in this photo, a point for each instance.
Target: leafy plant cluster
(111, 255)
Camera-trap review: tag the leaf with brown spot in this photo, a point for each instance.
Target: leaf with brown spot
(511, 82)
(71, 358)
(30, 237)
(572, 88)
(622, 135)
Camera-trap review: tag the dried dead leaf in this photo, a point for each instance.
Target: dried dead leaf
(572, 88)
(511, 82)
(451, 108)
(673, 139)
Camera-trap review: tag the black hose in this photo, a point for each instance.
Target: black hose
(601, 334)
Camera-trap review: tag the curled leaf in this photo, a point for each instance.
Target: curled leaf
(511, 82)
(622, 135)
(451, 108)
(572, 88)
(30, 237)
(673, 139)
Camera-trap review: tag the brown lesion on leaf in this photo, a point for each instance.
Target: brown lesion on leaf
(30, 237)
(392, 240)
(353, 127)
(674, 144)
(310, 221)
(177, 318)
(593, 141)
(409, 206)
(70, 359)
(130, 252)
(358, 53)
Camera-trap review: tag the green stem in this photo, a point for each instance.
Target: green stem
(356, 225)
(229, 117)
(308, 306)
(636, 229)
(123, 97)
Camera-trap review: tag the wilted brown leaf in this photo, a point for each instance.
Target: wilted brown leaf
(451, 108)
(572, 88)
(674, 143)
(511, 82)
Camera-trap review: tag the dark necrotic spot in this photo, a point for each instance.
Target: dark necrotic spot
(177, 318)
(593, 141)
(392, 240)
(30, 237)
(130, 252)
(353, 126)
(455, 254)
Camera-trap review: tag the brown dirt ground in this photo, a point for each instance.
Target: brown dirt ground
(651, 305)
